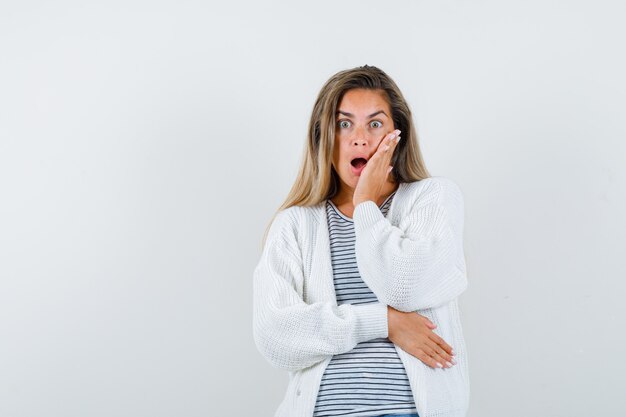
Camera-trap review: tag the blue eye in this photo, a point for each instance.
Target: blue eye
(344, 124)
(372, 124)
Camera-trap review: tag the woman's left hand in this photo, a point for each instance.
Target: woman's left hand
(374, 175)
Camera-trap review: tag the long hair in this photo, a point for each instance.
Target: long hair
(317, 179)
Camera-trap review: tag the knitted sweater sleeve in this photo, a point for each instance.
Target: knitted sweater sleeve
(290, 333)
(419, 264)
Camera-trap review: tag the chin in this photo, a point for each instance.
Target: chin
(351, 181)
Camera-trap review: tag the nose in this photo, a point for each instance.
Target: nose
(359, 142)
(360, 138)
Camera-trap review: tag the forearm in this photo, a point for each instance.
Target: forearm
(419, 264)
(300, 335)
(292, 334)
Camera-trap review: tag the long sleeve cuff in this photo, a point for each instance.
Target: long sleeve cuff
(366, 214)
(371, 321)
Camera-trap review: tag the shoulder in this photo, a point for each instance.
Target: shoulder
(295, 215)
(438, 187)
(441, 192)
(290, 223)
(433, 198)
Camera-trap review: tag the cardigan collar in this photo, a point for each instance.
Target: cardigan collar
(319, 210)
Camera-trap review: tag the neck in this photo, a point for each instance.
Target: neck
(346, 193)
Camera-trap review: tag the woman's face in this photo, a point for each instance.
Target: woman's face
(363, 119)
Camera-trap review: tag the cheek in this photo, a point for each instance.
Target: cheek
(343, 157)
(339, 152)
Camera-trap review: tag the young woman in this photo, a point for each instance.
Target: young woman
(356, 290)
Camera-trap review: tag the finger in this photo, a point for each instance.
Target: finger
(431, 351)
(391, 147)
(388, 141)
(394, 141)
(427, 321)
(427, 359)
(442, 356)
(442, 343)
(444, 351)
(394, 138)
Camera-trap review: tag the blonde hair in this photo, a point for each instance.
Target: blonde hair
(317, 179)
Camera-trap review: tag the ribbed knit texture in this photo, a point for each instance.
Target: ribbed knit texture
(412, 260)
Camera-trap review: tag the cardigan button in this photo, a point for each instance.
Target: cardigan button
(298, 392)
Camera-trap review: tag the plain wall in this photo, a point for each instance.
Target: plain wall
(145, 145)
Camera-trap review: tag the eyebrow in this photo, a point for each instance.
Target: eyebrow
(352, 115)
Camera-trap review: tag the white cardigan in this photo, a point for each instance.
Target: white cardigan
(412, 260)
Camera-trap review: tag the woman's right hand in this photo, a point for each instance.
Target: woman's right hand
(413, 333)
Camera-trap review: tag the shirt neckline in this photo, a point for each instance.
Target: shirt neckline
(343, 216)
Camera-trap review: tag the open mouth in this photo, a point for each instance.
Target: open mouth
(358, 162)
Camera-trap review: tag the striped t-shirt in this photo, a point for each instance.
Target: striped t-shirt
(369, 380)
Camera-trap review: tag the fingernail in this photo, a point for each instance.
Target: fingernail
(449, 364)
(392, 136)
(398, 138)
(453, 361)
(439, 365)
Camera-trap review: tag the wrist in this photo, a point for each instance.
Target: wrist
(362, 199)
(390, 322)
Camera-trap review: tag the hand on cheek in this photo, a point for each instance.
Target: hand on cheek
(374, 176)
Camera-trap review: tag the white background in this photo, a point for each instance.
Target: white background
(145, 145)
